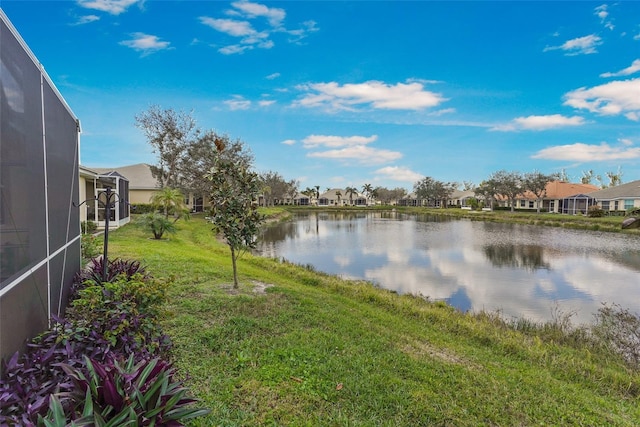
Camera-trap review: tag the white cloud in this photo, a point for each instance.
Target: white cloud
(349, 148)
(299, 34)
(360, 153)
(238, 103)
(443, 112)
(274, 15)
(603, 13)
(234, 48)
(335, 97)
(114, 7)
(273, 76)
(245, 30)
(625, 141)
(145, 43)
(578, 46)
(288, 142)
(86, 19)
(540, 123)
(613, 98)
(580, 152)
(266, 102)
(314, 141)
(633, 68)
(229, 26)
(400, 173)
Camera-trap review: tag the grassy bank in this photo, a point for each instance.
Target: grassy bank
(316, 350)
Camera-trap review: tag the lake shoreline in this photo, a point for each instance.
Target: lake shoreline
(611, 224)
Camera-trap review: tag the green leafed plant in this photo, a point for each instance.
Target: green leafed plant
(157, 223)
(234, 194)
(122, 394)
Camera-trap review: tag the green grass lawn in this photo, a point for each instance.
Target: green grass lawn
(319, 351)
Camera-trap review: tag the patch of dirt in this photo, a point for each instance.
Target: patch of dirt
(421, 349)
(259, 288)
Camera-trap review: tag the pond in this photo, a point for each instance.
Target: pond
(518, 270)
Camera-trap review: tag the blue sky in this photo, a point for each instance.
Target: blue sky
(340, 94)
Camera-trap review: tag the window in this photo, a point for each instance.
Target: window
(522, 203)
(605, 206)
(552, 205)
(615, 205)
(628, 204)
(531, 204)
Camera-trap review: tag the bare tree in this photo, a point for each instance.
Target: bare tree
(169, 133)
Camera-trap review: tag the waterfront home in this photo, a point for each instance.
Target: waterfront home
(619, 198)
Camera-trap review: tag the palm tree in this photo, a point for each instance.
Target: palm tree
(338, 194)
(367, 189)
(350, 191)
(171, 201)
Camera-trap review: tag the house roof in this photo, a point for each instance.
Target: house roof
(562, 190)
(139, 176)
(331, 194)
(85, 171)
(630, 190)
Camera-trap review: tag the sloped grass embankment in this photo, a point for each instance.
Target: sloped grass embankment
(317, 350)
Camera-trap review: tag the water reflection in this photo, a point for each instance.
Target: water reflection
(528, 257)
(520, 270)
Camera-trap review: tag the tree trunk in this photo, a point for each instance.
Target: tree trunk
(235, 270)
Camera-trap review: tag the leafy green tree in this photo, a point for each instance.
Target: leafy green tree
(434, 191)
(387, 196)
(234, 193)
(274, 187)
(487, 191)
(201, 156)
(509, 185)
(293, 188)
(536, 182)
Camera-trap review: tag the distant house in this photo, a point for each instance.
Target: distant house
(302, 200)
(619, 198)
(330, 198)
(460, 198)
(143, 185)
(559, 197)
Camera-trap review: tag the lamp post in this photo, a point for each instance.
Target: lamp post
(108, 203)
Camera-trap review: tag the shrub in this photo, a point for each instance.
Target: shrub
(94, 272)
(88, 227)
(143, 208)
(595, 212)
(618, 329)
(125, 393)
(106, 322)
(90, 246)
